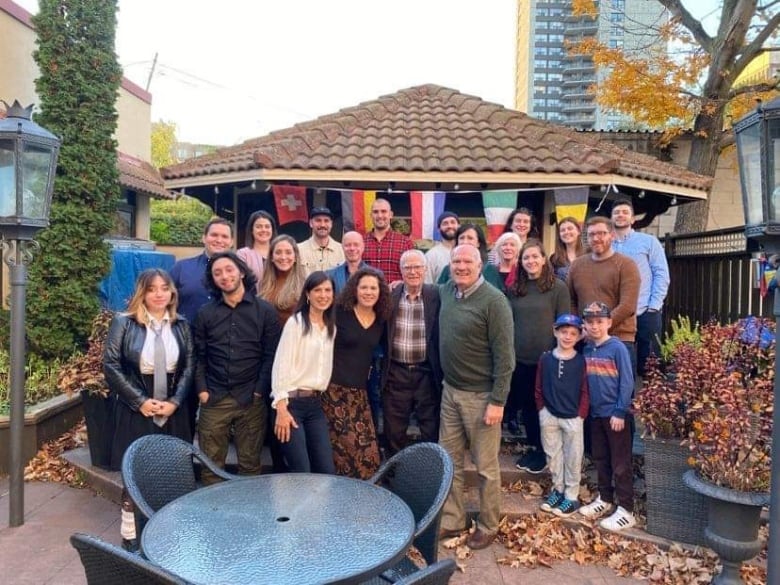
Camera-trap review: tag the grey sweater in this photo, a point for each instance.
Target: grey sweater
(476, 342)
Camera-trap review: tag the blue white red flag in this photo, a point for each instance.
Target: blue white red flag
(426, 207)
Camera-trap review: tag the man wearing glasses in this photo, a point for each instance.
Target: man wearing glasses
(608, 277)
(411, 377)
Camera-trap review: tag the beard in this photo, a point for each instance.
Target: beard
(448, 236)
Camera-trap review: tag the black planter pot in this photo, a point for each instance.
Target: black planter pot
(99, 416)
(733, 519)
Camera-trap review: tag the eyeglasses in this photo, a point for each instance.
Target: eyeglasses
(602, 234)
(413, 268)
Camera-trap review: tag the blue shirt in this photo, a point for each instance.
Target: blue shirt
(340, 275)
(188, 275)
(610, 378)
(646, 251)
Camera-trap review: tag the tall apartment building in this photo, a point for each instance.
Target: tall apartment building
(550, 83)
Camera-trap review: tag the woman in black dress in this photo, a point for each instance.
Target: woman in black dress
(135, 361)
(361, 312)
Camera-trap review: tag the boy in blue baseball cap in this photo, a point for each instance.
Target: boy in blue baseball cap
(562, 401)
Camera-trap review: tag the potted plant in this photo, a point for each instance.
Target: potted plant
(83, 373)
(731, 438)
(665, 408)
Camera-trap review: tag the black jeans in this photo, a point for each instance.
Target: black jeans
(612, 459)
(521, 397)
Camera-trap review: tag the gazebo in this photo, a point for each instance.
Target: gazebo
(431, 138)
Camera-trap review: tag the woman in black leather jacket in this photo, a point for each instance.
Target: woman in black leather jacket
(131, 357)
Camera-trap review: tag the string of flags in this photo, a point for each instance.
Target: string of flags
(426, 206)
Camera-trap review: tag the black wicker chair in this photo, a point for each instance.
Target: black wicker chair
(157, 469)
(421, 475)
(436, 574)
(106, 564)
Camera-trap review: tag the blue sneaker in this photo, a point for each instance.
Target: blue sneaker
(566, 508)
(553, 501)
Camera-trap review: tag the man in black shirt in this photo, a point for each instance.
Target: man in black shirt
(236, 335)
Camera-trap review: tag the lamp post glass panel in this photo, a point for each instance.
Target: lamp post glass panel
(28, 161)
(758, 150)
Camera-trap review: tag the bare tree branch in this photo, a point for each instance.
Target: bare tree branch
(756, 87)
(754, 47)
(767, 6)
(690, 22)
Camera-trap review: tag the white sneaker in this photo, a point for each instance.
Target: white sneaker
(595, 509)
(620, 520)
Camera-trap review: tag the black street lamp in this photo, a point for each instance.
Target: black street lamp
(28, 161)
(758, 149)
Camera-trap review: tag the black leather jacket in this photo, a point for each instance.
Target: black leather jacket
(122, 359)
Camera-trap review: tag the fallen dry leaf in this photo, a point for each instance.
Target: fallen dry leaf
(47, 465)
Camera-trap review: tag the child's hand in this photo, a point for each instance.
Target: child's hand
(616, 424)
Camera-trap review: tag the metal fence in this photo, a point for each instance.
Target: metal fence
(713, 276)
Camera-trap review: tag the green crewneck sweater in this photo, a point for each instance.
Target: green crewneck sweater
(476, 343)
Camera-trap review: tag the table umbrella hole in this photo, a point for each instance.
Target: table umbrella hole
(283, 519)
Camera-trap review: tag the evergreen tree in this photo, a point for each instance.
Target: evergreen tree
(78, 87)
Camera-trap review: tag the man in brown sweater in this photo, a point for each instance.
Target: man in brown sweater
(609, 277)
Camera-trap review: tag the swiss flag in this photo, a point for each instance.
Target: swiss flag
(290, 203)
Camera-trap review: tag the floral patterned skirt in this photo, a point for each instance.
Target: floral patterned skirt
(352, 433)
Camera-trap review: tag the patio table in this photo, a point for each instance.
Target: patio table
(285, 528)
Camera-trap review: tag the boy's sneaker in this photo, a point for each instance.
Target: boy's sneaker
(566, 508)
(595, 509)
(532, 462)
(553, 501)
(619, 520)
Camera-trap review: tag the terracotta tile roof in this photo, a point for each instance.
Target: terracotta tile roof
(141, 176)
(435, 129)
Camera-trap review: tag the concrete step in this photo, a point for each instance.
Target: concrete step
(109, 483)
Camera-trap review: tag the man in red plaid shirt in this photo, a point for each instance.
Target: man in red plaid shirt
(384, 246)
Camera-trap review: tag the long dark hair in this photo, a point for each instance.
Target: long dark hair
(314, 280)
(546, 279)
(249, 238)
(348, 297)
(464, 227)
(533, 232)
(248, 278)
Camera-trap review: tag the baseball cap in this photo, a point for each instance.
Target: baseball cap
(568, 319)
(321, 211)
(596, 309)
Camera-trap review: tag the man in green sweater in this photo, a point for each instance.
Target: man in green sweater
(477, 358)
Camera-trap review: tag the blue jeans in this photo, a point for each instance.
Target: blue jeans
(308, 449)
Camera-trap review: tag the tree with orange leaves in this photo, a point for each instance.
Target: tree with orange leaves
(694, 88)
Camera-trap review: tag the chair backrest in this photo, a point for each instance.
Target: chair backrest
(421, 475)
(437, 574)
(157, 469)
(106, 564)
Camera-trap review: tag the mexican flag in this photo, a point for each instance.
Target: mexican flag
(498, 205)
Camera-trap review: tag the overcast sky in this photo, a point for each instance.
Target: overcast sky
(237, 69)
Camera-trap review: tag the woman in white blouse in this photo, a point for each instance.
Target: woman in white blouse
(301, 372)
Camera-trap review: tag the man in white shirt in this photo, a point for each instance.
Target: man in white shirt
(439, 256)
(320, 251)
